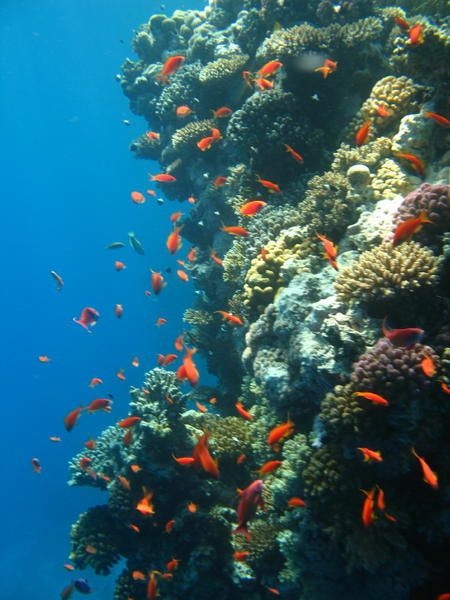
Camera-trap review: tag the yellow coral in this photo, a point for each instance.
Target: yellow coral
(220, 70)
(398, 95)
(186, 137)
(390, 181)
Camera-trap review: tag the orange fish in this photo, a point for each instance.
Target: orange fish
(240, 459)
(121, 374)
(69, 567)
(95, 381)
(84, 462)
(248, 78)
(429, 476)
(183, 111)
(206, 143)
(173, 242)
(263, 253)
(201, 407)
(183, 275)
(330, 250)
(439, 119)
(184, 460)
(212, 400)
(192, 254)
(270, 68)
(176, 216)
(263, 84)
(151, 192)
(281, 432)
(229, 317)
(272, 590)
(270, 466)
(179, 343)
(118, 309)
(367, 514)
(71, 419)
(220, 180)
(192, 507)
(244, 413)
(443, 597)
(135, 528)
(170, 67)
(370, 455)
(416, 35)
(128, 438)
(157, 281)
(44, 359)
(203, 457)
(192, 200)
(382, 111)
(216, 259)
(241, 555)
(404, 25)
(363, 133)
(54, 438)
(252, 207)
(328, 67)
(145, 505)
(270, 185)
(160, 321)
(375, 398)
(190, 369)
(222, 112)
(163, 178)
(415, 162)
(119, 265)
(445, 388)
(152, 135)
(99, 404)
(295, 155)
(137, 197)
(129, 422)
(135, 361)
(168, 527)
(90, 549)
(172, 564)
(428, 366)
(216, 134)
(405, 230)
(67, 592)
(35, 463)
(124, 482)
(166, 359)
(90, 444)
(135, 468)
(295, 502)
(235, 230)
(138, 576)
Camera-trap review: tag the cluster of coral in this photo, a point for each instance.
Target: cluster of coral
(317, 333)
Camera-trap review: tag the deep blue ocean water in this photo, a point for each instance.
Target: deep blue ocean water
(66, 176)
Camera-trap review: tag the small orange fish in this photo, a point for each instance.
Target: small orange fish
(99, 404)
(138, 576)
(220, 180)
(192, 254)
(157, 281)
(119, 265)
(184, 460)
(36, 464)
(84, 462)
(44, 359)
(270, 68)
(170, 67)
(69, 567)
(222, 112)
(405, 230)
(118, 309)
(124, 482)
(439, 119)
(263, 84)
(90, 444)
(179, 343)
(192, 200)
(281, 432)
(190, 370)
(235, 230)
(263, 253)
(240, 459)
(296, 502)
(272, 590)
(252, 207)
(135, 468)
(176, 216)
(295, 155)
(445, 388)
(128, 438)
(67, 592)
(244, 413)
(270, 466)
(163, 178)
(415, 162)
(367, 514)
(135, 361)
(183, 111)
(151, 192)
(54, 438)
(382, 111)
(183, 275)
(160, 321)
(363, 133)
(206, 143)
(192, 507)
(328, 67)
(212, 400)
(90, 549)
(226, 316)
(95, 381)
(71, 419)
(173, 242)
(428, 366)
(172, 564)
(145, 505)
(166, 359)
(375, 398)
(429, 476)
(330, 250)
(137, 197)
(121, 374)
(248, 78)
(201, 407)
(216, 134)
(135, 528)
(269, 185)
(416, 35)
(216, 259)
(152, 135)
(241, 555)
(168, 527)
(404, 25)
(129, 422)
(370, 455)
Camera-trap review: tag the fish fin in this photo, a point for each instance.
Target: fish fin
(243, 530)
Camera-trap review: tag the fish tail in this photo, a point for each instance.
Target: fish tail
(243, 530)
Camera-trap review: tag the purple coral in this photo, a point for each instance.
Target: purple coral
(434, 199)
(386, 368)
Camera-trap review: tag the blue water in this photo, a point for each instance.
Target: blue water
(66, 176)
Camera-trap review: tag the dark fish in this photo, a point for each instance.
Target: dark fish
(59, 280)
(135, 243)
(114, 245)
(406, 337)
(82, 586)
(168, 270)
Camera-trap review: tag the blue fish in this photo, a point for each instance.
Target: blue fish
(82, 586)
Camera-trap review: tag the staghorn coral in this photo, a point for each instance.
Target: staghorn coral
(388, 273)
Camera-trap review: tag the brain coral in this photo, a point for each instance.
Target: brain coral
(388, 273)
(219, 72)
(184, 139)
(399, 95)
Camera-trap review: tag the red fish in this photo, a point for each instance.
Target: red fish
(405, 230)
(137, 197)
(406, 337)
(192, 507)
(163, 178)
(152, 135)
(166, 359)
(439, 119)
(168, 527)
(129, 422)
(190, 369)
(99, 404)
(172, 564)
(443, 597)
(220, 180)
(428, 366)
(429, 476)
(382, 111)
(36, 464)
(222, 112)
(152, 586)
(90, 444)
(173, 242)
(176, 216)
(216, 259)
(183, 275)
(370, 455)
(170, 67)
(241, 555)
(206, 143)
(269, 185)
(270, 466)
(415, 162)
(295, 155)
(248, 78)
(88, 318)
(179, 343)
(367, 514)
(44, 359)
(281, 432)
(84, 462)
(151, 192)
(203, 457)
(157, 281)
(244, 413)
(128, 438)
(445, 388)
(249, 501)
(404, 25)
(119, 265)
(145, 505)
(263, 84)
(416, 35)
(183, 111)
(201, 407)
(240, 459)
(118, 309)
(135, 362)
(270, 68)
(375, 398)
(67, 592)
(328, 67)
(230, 318)
(184, 460)
(160, 321)
(71, 419)
(296, 502)
(235, 230)
(363, 133)
(121, 374)
(252, 207)
(330, 250)
(95, 381)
